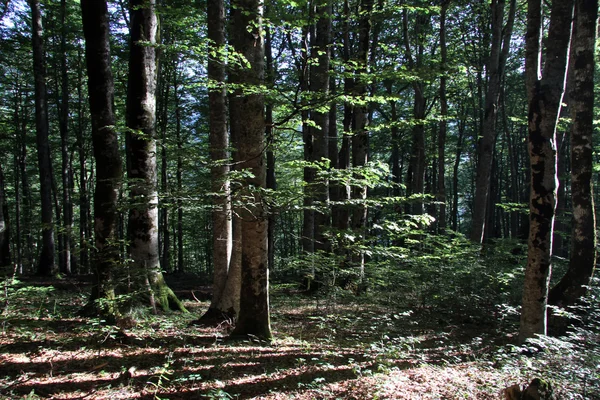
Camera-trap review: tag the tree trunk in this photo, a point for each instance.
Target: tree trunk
(84, 204)
(545, 95)
(319, 132)
(66, 173)
(46, 264)
(109, 167)
(271, 177)
(500, 43)
(246, 37)
(575, 282)
(5, 258)
(141, 151)
(441, 146)
(415, 181)
(219, 156)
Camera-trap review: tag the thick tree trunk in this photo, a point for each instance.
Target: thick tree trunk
(141, 151)
(575, 282)
(246, 37)
(109, 167)
(46, 265)
(545, 97)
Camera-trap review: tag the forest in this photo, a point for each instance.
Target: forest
(309, 199)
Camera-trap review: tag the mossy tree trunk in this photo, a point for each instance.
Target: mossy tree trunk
(145, 267)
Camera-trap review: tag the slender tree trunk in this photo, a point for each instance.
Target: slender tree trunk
(141, 152)
(415, 181)
(455, 194)
(319, 88)
(545, 93)
(46, 265)
(84, 204)
(269, 134)
(441, 146)
(246, 37)
(66, 172)
(179, 173)
(500, 43)
(219, 155)
(5, 257)
(575, 282)
(109, 167)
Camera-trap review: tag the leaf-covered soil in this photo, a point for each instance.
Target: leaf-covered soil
(325, 347)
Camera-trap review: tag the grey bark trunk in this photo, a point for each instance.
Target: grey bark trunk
(545, 96)
(573, 285)
(109, 167)
(246, 37)
(5, 257)
(46, 265)
(500, 43)
(141, 151)
(219, 155)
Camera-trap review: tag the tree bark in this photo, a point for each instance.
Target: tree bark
(500, 43)
(246, 37)
(319, 132)
(66, 172)
(573, 285)
(441, 146)
(46, 265)
(141, 161)
(109, 167)
(5, 257)
(219, 156)
(545, 96)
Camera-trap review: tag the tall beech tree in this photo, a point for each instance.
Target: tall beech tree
(500, 43)
(582, 262)
(46, 265)
(319, 132)
(109, 167)
(141, 158)
(247, 110)
(222, 303)
(545, 89)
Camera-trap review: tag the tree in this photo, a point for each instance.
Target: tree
(501, 35)
(141, 158)
(221, 304)
(545, 92)
(582, 262)
(247, 104)
(5, 258)
(46, 264)
(109, 167)
(319, 132)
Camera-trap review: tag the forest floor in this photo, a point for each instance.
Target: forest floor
(324, 348)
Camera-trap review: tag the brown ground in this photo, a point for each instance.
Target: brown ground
(323, 349)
